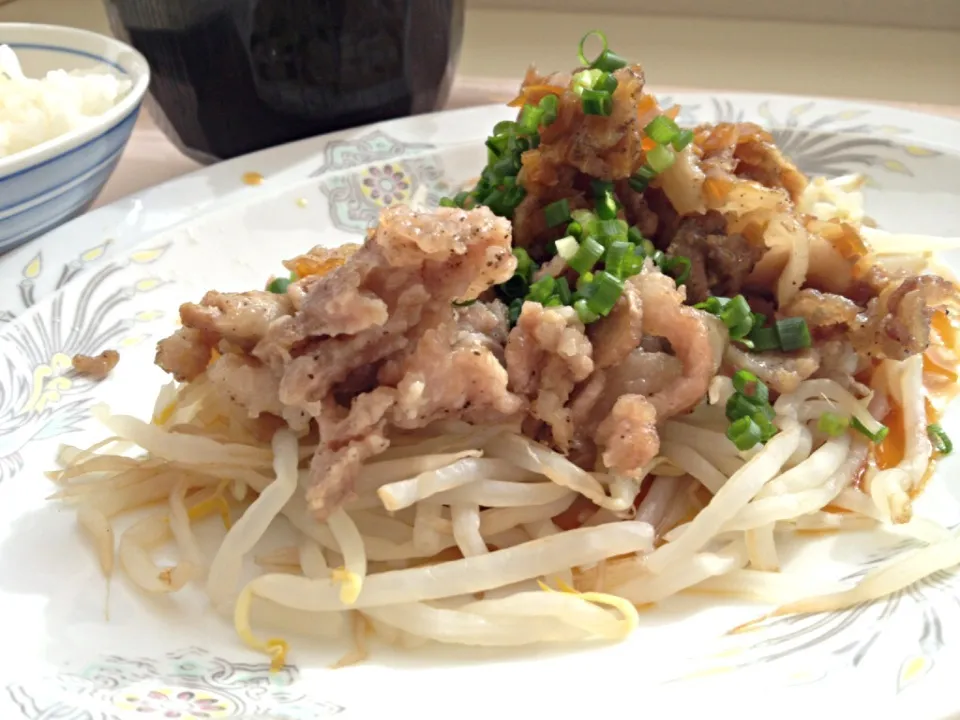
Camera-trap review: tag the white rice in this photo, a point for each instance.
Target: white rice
(34, 110)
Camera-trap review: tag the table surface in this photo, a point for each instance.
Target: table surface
(150, 158)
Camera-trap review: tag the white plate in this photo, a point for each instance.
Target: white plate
(114, 278)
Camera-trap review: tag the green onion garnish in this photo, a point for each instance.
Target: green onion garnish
(513, 311)
(941, 441)
(738, 318)
(612, 230)
(575, 229)
(530, 117)
(617, 252)
(635, 236)
(744, 433)
(524, 263)
(679, 268)
(874, 437)
(713, 304)
(660, 158)
(739, 406)
(596, 102)
(607, 289)
(605, 82)
(682, 139)
(832, 424)
(447, 202)
(763, 339)
(585, 284)
(584, 312)
(516, 287)
(278, 285)
(748, 384)
(542, 289)
(562, 290)
(607, 60)
(606, 205)
(662, 130)
(557, 212)
(549, 104)
(587, 255)
(567, 247)
(763, 421)
(793, 334)
(641, 178)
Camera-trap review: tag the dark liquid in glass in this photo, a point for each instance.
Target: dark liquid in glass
(234, 76)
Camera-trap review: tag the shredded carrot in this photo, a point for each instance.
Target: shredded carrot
(646, 104)
(672, 112)
(214, 356)
(648, 144)
(716, 189)
(932, 415)
(534, 94)
(308, 266)
(947, 331)
(890, 452)
(929, 366)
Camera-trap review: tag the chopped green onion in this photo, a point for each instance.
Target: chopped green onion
(641, 178)
(596, 102)
(585, 80)
(513, 312)
(542, 289)
(744, 433)
(614, 259)
(549, 104)
(748, 384)
(767, 428)
(567, 247)
(607, 289)
(557, 212)
(278, 285)
(563, 291)
(671, 265)
(585, 284)
(632, 265)
(498, 144)
(447, 202)
(464, 303)
(941, 441)
(530, 116)
(793, 333)
(552, 301)
(599, 187)
(515, 287)
(660, 158)
(832, 424)
(504, 127)
(739, 405)
(574, 229)
(524, 263)
(583, 41)
(587, 222)
(738, 318)
(587, 255)
(662, 130)
(634, 235)
(612, 230)
(605, 82)
(584, 312)
(874, 437)
(682, 139)
(607, 205)
(763, 339)
(648, 248)
(713, 304)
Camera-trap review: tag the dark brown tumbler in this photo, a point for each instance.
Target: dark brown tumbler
(234, 76)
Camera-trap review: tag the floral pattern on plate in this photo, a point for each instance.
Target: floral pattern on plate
(40, 395)
(820, 142)
(189, 684)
